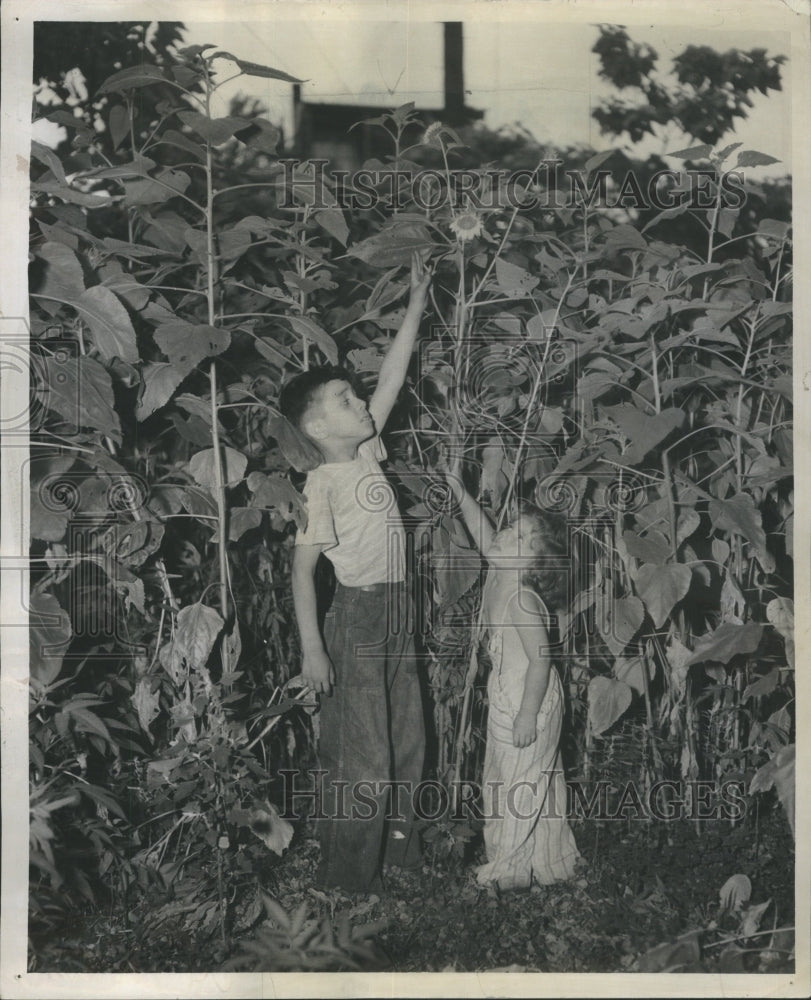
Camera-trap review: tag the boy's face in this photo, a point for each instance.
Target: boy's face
(339, 415)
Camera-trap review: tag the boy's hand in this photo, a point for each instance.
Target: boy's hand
(420, 278)
(317, 671)
(524, 731)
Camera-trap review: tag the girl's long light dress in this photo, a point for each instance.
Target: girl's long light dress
(532, 838)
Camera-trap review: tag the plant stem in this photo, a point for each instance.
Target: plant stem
(711, 238)
(219, 490)
(462, 737)
(535, 389)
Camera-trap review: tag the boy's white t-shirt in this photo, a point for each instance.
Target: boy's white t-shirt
(352, 511)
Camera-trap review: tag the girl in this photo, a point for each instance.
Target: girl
(526, 833)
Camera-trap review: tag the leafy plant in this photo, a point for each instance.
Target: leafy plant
(613, 370)
(304, 942)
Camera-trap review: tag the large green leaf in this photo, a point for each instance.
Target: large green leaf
(48, 522)
(49, 632)
(62, 280)
(81, 391)
(455, 572)
(146, 702)
(229, 246)
(265, 821)
(139, 166)
(203, 470)
(277, 493)
(305, 327)
(752, 158)
(393, 245)
(513, 280)
(780, 612)
(702, 152)
(779, 772)
(333, 220)
(186, 344)
(159, 381)
(644, 431)
(725, 642)
(109, 322)
(136, 252)
(593, 385)
(118, 122)
(151, 191)
(650, 548)
(49, 158)
(132, 77)
(240, 520)
(213, 130)
(256, 69)
(654, 519)
(70, 195)
(133, 543)
(630, 670)
(171, 137)
(624, 237)
(608, 700)
(124, 285)
(261, 136)
(196, 631)
(199, 501)
(740, 516)
(661, 588)
(624, 619)
(672, 955)
(763, 685)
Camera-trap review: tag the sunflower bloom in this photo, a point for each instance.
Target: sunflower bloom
(431, 136)
(466, 225)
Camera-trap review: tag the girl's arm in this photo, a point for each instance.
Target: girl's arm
(475, 518)
(535, 640)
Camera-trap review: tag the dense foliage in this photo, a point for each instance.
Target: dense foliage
(633, 378)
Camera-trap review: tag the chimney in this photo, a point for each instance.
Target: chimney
(454, 71)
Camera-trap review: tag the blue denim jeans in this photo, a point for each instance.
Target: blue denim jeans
(372, 733)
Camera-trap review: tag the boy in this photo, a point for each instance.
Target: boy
(372, 729)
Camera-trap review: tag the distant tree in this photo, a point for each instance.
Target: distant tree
(73, 58)
(98, 49)
(711, 90)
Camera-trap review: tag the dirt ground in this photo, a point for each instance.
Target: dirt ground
(647, 899)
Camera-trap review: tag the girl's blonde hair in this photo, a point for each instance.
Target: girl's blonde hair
(547, 576)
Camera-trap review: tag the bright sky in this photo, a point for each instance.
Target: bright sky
(542, 75)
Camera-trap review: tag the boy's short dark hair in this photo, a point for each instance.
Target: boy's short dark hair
(299, 394)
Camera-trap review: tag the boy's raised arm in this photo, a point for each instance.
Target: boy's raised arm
(395, 364)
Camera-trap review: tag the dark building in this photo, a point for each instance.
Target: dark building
(322, 131)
